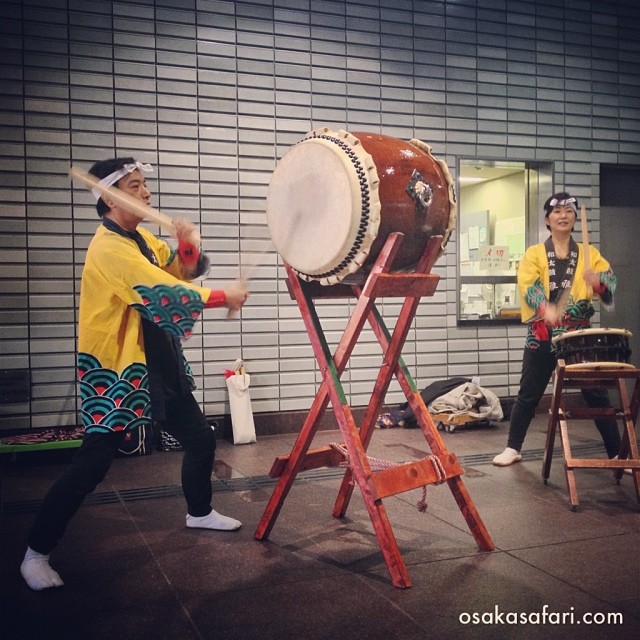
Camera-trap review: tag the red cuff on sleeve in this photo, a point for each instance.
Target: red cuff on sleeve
(188, 252)
(217, 298)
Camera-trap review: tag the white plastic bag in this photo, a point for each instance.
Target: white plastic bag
(244, 430)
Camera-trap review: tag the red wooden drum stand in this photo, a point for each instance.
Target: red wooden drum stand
(374, 485)
(597, 375)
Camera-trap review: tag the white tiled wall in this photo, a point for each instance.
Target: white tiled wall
(213, 93)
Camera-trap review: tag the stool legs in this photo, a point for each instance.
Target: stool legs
(590, 378)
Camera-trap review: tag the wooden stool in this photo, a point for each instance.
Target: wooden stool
(593, 376)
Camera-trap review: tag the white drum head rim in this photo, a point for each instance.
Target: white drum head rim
(355, 246)
(591, 332)
(598, 366)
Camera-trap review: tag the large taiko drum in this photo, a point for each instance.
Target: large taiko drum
(594, 348)
(335, 197)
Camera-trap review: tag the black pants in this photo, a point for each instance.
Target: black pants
(537, 368)
(185, 422)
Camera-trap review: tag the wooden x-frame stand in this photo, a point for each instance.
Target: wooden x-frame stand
(374, 485)
(595, 376)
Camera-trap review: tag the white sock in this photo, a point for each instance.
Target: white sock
(215, 521)
(37, 572)
(507, 457)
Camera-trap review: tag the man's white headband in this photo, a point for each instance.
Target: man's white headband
(112, 178)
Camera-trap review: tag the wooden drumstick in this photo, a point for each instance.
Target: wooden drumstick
(585, 237)
(130, 203)
(241, 284)
(585, 242)
(562, 303)
(246, 272)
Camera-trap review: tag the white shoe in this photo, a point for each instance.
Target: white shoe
(507, 457)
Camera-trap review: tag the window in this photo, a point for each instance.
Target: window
(500, 205)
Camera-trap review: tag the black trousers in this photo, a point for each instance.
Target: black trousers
(185, 422)
(537, 368)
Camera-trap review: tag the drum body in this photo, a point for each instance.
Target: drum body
(335, 197)
(593, 346)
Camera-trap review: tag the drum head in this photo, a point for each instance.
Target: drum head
(588, 346)
(590, 334)
(323, 209)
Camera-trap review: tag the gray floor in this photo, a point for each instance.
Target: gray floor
(132, 570)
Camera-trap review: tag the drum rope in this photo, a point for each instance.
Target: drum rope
(378, 464)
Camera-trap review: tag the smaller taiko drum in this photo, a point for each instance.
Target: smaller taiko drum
(594, 347)
(335, 197)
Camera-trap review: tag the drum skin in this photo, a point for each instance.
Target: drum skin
(593, 345)
(335, 197)
(396, 161)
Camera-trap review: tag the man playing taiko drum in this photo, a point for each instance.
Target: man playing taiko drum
(556, 292)
(137, 304)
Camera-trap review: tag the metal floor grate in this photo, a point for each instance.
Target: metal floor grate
(260, 482)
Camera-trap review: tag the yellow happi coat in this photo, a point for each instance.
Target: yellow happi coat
(534, 281)
(119, 287)
(535, 266)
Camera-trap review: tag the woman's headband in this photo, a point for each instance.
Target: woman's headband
(566, 202)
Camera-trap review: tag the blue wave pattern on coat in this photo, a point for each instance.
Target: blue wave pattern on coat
(174, 309)
(111, 402)
(577, 315)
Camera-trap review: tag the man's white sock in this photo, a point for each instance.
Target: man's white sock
(37, 572)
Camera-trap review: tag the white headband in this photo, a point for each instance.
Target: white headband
(567, 202)
(112, 178)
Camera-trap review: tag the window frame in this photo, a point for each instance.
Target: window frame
(538, 185)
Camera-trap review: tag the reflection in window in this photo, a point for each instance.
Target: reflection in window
(493, 233)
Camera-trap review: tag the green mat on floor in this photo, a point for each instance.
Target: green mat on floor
(39, 446)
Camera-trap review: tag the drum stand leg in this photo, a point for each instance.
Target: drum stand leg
(554, 413)
(374, 485)
(627, 412)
